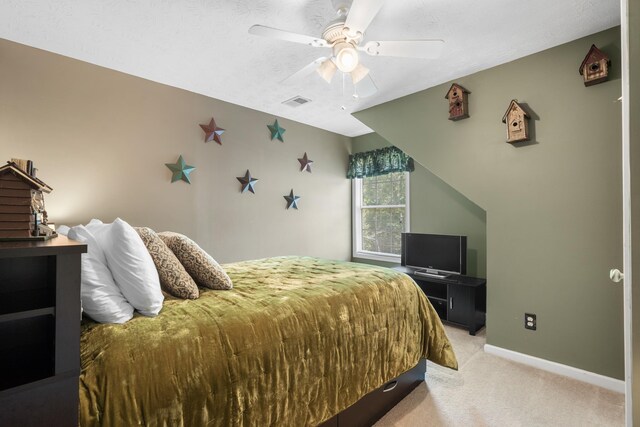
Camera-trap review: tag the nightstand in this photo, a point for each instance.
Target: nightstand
(40, 332)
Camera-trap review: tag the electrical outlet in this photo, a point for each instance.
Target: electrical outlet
(530, 321)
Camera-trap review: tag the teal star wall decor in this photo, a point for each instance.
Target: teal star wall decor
(292, 200)
(180, 170)
(212, 132)
(305, 163)
(277, 131)
(247, 182)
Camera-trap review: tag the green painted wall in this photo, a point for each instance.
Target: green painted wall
(553, 205)
(436, 207)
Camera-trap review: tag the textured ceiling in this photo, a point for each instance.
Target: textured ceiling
(203, 45)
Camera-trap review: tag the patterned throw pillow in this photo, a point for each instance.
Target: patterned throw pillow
(200, 265)
(173, 277)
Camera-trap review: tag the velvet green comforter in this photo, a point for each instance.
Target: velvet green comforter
(296, 341)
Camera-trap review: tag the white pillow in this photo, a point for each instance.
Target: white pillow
(63, 230)
(131, 265)
(101, 299)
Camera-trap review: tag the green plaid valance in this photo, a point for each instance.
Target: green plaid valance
(379, 162)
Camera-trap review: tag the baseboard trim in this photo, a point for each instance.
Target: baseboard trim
(557, 368)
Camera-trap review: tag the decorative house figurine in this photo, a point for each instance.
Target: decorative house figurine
(517, 120)
(595, 67)
(458, 103)
(22, 213)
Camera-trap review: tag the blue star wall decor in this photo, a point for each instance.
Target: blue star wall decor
(247, 182)
(292, 201)
(212, 132)
(277, 131)
(305, 163)
(180, 170)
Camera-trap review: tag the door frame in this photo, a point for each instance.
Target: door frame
(626, 213)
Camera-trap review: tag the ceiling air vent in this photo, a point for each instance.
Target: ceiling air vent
(296, 101)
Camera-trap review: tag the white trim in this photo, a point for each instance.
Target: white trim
(356, 192)
(557, 368)
(377, 256)
(382, 206)
(407, 203)
(626, 213)
(356, 223)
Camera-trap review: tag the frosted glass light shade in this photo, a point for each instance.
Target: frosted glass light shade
(327, 70)
(346, 57)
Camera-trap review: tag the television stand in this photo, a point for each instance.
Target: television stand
(427, 274)
(459, 300)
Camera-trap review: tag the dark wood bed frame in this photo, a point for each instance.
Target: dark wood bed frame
(373, 406)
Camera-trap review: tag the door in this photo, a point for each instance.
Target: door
(630, 25)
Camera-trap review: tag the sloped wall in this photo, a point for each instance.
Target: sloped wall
(435, 207)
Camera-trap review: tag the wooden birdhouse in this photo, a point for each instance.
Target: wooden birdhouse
(595, 67)
(458, 103)
(517, 120)
(22, 213)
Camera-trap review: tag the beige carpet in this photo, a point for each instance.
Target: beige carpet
(491, 391)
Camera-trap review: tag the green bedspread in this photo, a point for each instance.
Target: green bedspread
(296, 341)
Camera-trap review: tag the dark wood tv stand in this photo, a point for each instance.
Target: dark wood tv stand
(459, 300)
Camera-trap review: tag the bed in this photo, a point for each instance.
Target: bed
(295, 342)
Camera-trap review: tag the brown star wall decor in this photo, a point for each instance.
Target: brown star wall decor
(212, 132)
(305, 163)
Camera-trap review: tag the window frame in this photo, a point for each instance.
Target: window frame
(356, 191)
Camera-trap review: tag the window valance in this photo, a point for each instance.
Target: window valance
(379, 162)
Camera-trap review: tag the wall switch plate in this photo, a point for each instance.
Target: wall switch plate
(530, 321)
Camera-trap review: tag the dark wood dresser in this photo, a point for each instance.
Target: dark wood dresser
(40, 332)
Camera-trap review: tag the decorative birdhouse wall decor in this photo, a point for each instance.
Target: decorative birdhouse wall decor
(458, 103)
(517, 120)
(22, 213)
(595, 67)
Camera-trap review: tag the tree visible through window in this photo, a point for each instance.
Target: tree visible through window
(382, 211)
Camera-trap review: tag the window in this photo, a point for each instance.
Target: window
(381, 214)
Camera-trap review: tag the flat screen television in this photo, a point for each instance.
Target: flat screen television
(435, 253)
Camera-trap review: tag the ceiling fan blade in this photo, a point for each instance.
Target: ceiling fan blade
(327, 70)
(361, 14)
(366, 87)
(429, 49)
(359, 73)
(274, 33)
(304, 72)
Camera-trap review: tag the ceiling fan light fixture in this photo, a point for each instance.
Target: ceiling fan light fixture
(359, 73)
(327, 70)
(346, 57)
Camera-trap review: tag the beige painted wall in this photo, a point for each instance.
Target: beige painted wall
(101, 138)
(553, 206)
(435, 207)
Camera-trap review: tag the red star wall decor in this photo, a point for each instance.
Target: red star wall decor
(212, 132)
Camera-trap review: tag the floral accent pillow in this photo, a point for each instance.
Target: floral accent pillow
(174, 279)
(199, 264)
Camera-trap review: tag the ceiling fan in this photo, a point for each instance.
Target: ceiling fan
(344, 35)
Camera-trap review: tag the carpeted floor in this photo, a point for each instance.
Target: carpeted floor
(491, 391)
